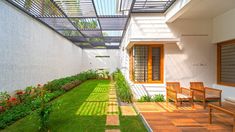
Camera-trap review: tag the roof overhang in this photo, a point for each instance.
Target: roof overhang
(152, 41)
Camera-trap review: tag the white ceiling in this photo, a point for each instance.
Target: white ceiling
(208, 9)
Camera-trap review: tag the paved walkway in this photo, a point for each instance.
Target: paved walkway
(113, 112)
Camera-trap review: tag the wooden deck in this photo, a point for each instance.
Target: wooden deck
(166, 118)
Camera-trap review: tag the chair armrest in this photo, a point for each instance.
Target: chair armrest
(194, 89)
(213, 89)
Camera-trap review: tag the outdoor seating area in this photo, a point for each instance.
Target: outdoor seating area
(162, 117)
(117, 66)
(197, 91)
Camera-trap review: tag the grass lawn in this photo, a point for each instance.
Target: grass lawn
(82, 109)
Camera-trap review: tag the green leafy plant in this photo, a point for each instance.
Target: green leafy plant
(123, 89)
(25, 95)
(155, 98)
(102, 74)
(158, 98)
(144, 98)
(58, 83)
(44, 111)
(31, 100)
(4, 97)
(17, 112)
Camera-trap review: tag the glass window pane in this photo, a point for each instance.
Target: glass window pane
(156, 63)
(140, 56)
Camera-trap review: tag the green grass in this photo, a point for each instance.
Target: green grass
(131, 123)
(82, 109)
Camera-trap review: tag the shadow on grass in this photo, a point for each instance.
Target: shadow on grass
(82, 109)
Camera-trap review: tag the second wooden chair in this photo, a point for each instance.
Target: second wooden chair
(178, 94)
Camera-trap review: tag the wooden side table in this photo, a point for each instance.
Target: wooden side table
(219, 108)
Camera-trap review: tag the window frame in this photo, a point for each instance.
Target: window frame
(149, 80)
(219, 46)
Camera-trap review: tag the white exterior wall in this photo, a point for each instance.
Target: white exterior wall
(193, 58)
(223, 26)
(31, 53)
(223, 30)
(90, 61)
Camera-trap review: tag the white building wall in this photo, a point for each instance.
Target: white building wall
(223, 30)
(223, 26)
(31, 53)
(193, 58)
(91, 61)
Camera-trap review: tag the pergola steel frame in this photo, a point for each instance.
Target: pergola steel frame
(86, 27)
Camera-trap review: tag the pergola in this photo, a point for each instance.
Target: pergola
(90, 23)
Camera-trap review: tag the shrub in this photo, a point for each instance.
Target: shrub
(30, 99)
(4, 97)
(71, 85)
(102, 74)
(58, 83)
(44, 111)
(13, 114)
(155, 98)
(123, 88)
(91, 74)
(145, 98)
(25, 95)
(158, 98)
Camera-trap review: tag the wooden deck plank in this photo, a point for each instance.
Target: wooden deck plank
(162, 119)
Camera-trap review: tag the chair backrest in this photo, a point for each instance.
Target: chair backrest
(197, 86)
(174, 85)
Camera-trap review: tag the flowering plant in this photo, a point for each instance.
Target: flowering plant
(19, 92)
(2, 109)
(4, 96)
(12, 101)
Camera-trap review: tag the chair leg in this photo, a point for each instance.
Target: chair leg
(220, 104)
(192, 103)
(204, 104)
(176, 104)
(167, 100)
(210, 115)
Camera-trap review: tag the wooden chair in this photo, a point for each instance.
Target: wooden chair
(178, 94)
(204, 94)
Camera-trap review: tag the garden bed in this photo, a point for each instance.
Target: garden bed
(82, 108)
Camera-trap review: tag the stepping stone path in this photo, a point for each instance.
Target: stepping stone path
(128, 111)
(112, 118)
(113, 130)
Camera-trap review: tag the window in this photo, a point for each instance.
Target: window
(140, 56)
(226, 63)
(146, 64)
